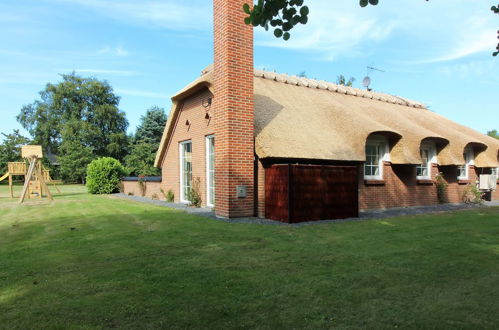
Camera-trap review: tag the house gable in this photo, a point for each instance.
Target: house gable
(193, 122)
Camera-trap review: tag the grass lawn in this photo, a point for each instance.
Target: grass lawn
(92, 262)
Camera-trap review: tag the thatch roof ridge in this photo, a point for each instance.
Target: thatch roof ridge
(297, 117)
(326, 85)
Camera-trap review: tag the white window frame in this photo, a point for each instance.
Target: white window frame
(469, 160)
(181, 162)
(495, 171)
(432, 158)
(208, 140)
(381, 143)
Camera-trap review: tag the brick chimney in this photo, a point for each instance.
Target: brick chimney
(233, 105)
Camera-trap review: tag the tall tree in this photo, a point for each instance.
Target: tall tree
(151, 126)
(146, 141)
(140, 161)
(86, 106)
(86, 100)
(74, 154)
(493, 133)
(10, 149)
(284, 15)
(341, 80)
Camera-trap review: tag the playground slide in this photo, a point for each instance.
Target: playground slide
(4, 177)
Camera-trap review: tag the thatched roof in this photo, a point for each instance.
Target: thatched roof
(310, 119)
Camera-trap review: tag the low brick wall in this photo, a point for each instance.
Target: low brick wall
(150, 189)
(400, 188)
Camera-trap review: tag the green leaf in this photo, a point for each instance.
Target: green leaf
(286, 36)
(287, 26)
(364, 3)
(247, 20)
(304, 11)
(278, 33)
(373, 2)
(246, 9)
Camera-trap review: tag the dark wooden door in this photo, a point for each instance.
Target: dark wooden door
(277, 193)
(311, 192)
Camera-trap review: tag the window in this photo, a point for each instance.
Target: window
(423, 169)
(463, 170)
(428, 156)
(376, 153)
(210, 170)
(185, 170)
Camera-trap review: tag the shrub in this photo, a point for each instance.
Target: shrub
(104, 175)
(472, 194)
(441, 188)
(142, 185)
(169, 196)
(194, 194)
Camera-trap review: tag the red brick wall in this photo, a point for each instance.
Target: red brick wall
(153, 189)
(400, 187)
(194, 112)
(233, 106)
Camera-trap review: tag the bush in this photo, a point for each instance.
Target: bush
(194, 194)
(104, 176)
(441, 188)
(142, 185)
(472, 194)
(169, 196)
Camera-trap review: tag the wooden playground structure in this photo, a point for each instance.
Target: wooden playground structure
(36, 177)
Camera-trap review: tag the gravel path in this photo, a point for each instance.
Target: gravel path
(365, 215)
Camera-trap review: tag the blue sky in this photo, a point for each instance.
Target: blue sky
(436, 52)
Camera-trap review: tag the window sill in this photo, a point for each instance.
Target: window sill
(425, 181)
(374, 182)
(463, 181)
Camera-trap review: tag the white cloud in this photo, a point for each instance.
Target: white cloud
(334, 29)
(170, 14)
(419, 31)
(469, 70)
(133, 92)
(475, 35)
(117, 51)
(103, 71)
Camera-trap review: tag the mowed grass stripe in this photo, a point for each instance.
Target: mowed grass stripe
(130, 265)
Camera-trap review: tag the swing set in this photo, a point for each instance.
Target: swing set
(35, 175)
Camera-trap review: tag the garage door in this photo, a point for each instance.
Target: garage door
(296, 193)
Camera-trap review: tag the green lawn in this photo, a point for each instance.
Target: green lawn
(97, 262)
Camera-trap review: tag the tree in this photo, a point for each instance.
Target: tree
(284, 15)
(10, 149)
(140, 161)
(493, 133)
(87, 110)
(86, 100)
(341, 80)
(146, 141)
(74, 155)
(151, 126)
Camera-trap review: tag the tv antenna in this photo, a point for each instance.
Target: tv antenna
(367, 80)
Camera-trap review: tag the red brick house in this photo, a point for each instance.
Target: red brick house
(270, 145)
